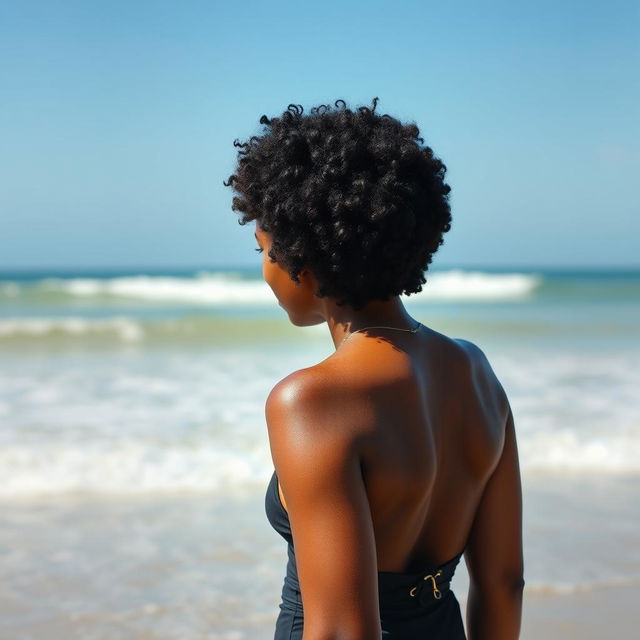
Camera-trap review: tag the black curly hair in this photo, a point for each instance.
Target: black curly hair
(352, 195)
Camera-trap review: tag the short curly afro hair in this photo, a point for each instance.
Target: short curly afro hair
(353, 195)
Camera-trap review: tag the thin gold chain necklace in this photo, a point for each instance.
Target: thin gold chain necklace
(394, 328)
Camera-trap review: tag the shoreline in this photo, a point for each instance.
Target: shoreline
(187, 566)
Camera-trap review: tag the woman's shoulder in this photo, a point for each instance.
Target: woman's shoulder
(304, 384)
(461, 354)
(475, 353)
(307, 420)
(468, 365)
(465, 349)
(484, 377)
(313, 390)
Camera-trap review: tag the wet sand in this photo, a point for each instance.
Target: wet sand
(608, 612)
(188, 566)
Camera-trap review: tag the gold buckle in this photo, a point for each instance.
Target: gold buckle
(437, 594)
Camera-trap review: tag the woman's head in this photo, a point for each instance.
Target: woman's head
(352, 196)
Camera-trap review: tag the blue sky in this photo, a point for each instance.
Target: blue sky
(118, 119)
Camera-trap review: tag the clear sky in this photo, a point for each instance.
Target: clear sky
(117, 121)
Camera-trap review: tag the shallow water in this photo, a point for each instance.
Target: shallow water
(209, 566)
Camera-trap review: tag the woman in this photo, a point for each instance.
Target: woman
(397, 454)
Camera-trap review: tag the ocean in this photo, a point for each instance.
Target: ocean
(134, 454)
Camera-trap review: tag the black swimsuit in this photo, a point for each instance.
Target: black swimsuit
(412, 605)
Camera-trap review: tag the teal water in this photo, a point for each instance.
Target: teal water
(212, 307)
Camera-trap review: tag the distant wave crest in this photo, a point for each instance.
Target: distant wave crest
(230, 289)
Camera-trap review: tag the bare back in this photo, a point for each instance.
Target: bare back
(430, 416)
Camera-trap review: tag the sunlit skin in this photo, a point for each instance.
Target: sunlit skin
(394, 453)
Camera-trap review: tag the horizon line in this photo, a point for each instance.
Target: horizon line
(256, 267)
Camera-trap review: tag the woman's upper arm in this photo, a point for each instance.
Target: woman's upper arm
(318, 467)
(493, 554)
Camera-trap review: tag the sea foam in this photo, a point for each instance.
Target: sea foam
(125, 329)
(231, 289)
(60, 463)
